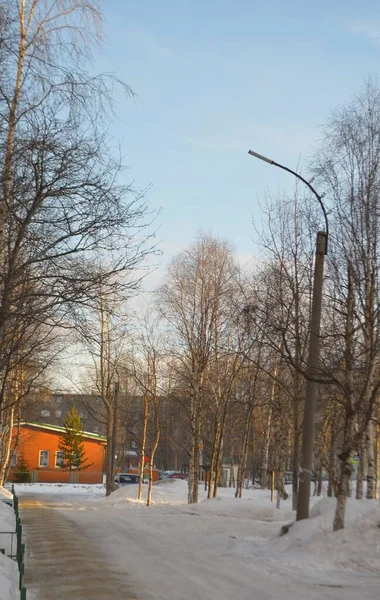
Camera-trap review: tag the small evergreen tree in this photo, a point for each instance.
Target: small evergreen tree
(22, 473)
(71, 443)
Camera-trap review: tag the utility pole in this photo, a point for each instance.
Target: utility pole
(303, 497)
(303, 500)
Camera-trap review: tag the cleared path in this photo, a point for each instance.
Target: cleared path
(62, 563)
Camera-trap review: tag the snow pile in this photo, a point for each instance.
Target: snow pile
(60, 488)
(356, 547)
(4, 493)
(255, 509)
(168, 491)
(8, 578)
(8, 568)
(126, 495)
(255, 505)
(7, 523)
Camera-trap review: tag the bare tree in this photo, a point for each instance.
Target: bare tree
(283, 300)
(193, 303)
(61, 203)
(147, 367)
(103, 335)
(348, 166)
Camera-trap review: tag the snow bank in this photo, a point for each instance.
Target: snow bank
(7, 523)
(356, 547)
(4, 493)
(60, 488)
(174, 492)
(168, 491)
(255, 505)
(244, 508)
(8, 578)
(8, 568)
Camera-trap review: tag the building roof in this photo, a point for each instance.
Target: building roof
(86, 434)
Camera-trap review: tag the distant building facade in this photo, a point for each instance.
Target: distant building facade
(38, 443)
(53, 409)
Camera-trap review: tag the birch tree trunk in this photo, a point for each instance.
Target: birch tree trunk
(143, 446)
(345, 474)
(218, 465)
(153, 452)
(331, 462)
(212, 459)
(377, 461)
(350, 416)
(361, 469)
(6, 444)
(194, 459)
(318, 479)
(371, 465)
(243, 455)
(267, 437)
(296, 436)
(268, 430)
(110, 456)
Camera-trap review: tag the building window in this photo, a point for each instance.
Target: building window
(95, 429)
(58, 413)
(59, 459)
(134, 444)
(45, 413)
(44, 458)
(14, 459)
(83, 415)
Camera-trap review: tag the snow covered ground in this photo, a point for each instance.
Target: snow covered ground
(60, 488)
(8, 568)
(215, 550)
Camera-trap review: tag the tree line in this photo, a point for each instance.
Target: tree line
(232, 350)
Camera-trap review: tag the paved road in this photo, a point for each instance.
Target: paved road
(62, 563)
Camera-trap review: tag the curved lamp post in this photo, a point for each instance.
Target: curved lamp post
(306, 463)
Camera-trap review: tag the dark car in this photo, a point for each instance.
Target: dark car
(122, 479)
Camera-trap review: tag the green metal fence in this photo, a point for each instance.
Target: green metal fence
(20, 548)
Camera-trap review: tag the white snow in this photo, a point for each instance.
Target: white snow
(4, 493)
(60, 488)
(357, 547)
(226, 548)
(8, 568)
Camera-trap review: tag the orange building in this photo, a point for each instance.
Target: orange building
(39, 445)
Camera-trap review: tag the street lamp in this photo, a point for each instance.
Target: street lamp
(306, 463)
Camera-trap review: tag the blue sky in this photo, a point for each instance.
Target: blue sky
(214, 78)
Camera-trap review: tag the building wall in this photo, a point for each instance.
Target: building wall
(53, 409)
(34, 440)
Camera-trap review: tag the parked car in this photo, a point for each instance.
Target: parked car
(123, 479)
(178, 476)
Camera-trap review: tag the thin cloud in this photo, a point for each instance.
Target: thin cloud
(371, 32)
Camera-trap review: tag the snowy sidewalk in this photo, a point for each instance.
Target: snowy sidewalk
(61, 563)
